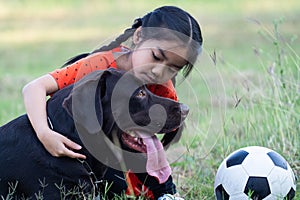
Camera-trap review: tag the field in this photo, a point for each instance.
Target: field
(244, 90)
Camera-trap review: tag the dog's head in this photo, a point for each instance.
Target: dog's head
(116, 104)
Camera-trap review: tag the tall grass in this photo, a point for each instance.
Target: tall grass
(266, 112)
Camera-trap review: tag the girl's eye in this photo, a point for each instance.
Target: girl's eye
(141, 93)
(155, 57)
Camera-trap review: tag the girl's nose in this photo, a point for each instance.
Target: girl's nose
(157, 71)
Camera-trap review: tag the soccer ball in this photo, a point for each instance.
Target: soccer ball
(256, 172)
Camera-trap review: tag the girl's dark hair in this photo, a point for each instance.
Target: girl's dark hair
(171, 18)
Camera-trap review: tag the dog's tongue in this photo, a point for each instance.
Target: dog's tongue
(157, 164)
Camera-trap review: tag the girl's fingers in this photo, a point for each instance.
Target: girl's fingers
(58, 145)
(70, 145)
(73, 154)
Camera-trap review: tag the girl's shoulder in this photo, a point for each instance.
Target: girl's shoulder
(107, 57)
(75, 71)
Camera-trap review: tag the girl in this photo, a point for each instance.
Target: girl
(164, 42)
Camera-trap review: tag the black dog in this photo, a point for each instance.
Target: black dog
(94, 116)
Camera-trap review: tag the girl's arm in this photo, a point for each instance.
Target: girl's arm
(34, 95)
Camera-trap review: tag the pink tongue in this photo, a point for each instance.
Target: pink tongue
(157, 164)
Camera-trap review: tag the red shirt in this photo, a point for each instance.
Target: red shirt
(101, 61)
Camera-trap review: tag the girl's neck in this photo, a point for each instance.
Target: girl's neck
(123, 59)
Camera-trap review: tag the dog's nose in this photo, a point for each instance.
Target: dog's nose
(184, 110)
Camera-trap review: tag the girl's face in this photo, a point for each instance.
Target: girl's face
(155, 61)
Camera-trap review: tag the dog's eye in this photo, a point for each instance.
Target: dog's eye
(141, 93)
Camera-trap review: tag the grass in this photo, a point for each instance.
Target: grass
(244, 90)
(262, 109)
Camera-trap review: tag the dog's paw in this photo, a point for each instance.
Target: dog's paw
(169, 197)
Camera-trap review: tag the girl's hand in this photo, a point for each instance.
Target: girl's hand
(58, 145)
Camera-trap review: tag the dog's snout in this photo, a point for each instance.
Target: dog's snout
(184, 110)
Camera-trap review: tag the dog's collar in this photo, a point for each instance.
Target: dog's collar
(95, 182)
(50, 123)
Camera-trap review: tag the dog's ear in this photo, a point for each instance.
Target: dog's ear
(172, 137)
(84, 101)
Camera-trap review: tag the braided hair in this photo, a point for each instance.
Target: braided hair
(117, 42)
(165, 17)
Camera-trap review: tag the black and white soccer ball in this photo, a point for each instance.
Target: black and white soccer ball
(256, 172)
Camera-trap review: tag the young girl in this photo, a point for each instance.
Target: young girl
(164, 42)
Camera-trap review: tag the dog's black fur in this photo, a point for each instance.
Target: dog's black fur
(24, 160)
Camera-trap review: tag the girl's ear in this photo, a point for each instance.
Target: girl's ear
(137, 35)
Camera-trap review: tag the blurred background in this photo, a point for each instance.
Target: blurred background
(38, 36)
(244, 90)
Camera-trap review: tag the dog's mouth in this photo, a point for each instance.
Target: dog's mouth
(157, 164)
(133, 141)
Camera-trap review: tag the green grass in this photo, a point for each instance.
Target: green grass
(250, 96)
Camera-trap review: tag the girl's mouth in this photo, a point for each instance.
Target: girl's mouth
(134, 142)
(151, 80)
